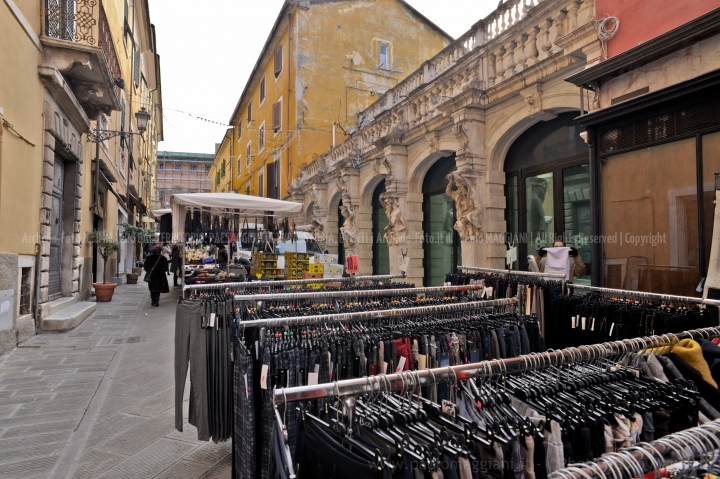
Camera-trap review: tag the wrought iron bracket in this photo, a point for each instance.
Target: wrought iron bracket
(98, 136)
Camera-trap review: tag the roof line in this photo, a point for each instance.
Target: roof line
(427, 20)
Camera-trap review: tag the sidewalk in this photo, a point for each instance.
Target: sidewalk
(98, 401)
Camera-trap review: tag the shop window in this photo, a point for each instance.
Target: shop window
(650, 217)
(441, 242)
(381, 250)
(548, 190)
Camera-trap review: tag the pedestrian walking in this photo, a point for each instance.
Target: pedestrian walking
(176, 263)
(167, 253)
(155, 267)
(222, 258)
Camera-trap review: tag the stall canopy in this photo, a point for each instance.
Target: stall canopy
(159, 213)
(223, 203)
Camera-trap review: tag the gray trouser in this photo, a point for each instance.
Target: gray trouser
(190, 347)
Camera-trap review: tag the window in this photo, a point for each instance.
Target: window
(277, 116)
(25, 290)
(278, 61)
(247, 188)
(178, 166)
(193, 167)
(273, 183)
(384, 56)
(249, 119)
(262, 90)
(248, 154)
(261, 184)
(207, 167)
(222, 169)
(161, 165)
(136, 66)
(261, 137)
(239, 129)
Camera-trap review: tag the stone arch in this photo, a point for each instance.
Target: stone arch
(368, 189)
(422, 157)
(502, 137)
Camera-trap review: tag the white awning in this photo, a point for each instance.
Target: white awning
(159, 213)
(245, 206)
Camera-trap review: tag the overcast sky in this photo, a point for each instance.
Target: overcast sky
(208, 50)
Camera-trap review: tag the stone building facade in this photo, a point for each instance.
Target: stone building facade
(423, 178)
(181, 172)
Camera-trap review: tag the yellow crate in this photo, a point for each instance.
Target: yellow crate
(316, 268)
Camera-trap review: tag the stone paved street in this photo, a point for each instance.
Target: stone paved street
(98, 401)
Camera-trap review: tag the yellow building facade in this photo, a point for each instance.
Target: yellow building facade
(323, 63)
(69, 70)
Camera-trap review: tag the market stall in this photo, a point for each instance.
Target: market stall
(220, 204)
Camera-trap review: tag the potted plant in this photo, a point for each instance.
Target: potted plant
(139, 236)
(106, 247)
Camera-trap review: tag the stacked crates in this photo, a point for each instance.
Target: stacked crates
(264, 265)
(296, 264)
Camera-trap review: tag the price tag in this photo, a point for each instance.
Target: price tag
(312, 379)
(612, 326)
(263, 376)
(574, 322)
(247, 388)
(212, 320)
(422, 361)
(401, 364)
(351, 264)
(592, 327)
(449, 408)
(583, 323)
(511, 256)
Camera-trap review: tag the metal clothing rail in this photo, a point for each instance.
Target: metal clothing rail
(644, 295)
(514, 273)
(291, 282)
(688, 445)
(385, 313)
(357, 293)
(399, 381)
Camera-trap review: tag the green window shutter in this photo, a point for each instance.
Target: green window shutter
(136, 67)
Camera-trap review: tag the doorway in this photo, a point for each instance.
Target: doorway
(381, 250)
(56, 230)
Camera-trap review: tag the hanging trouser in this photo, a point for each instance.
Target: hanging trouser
(190, 348)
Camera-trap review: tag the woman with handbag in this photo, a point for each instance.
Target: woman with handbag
(155, 268)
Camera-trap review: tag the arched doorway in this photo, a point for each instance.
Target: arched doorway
(381, 251)
(441, 242)
(548, 188)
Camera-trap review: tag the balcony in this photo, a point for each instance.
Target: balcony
(79, 58)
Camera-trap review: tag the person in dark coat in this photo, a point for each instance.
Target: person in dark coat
(176, 263)
(222, 258)
(156, 265)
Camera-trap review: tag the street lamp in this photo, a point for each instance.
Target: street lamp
(98, 136)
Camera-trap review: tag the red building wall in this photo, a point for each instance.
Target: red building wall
(642, 20)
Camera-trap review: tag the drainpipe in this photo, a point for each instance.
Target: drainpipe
(38, 312)
(333, 143)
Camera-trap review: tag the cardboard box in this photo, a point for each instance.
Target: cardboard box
(316, 268)
(326, 258)
(307, 275)
(335, 269)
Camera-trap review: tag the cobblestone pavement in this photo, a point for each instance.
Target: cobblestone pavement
(98, 401)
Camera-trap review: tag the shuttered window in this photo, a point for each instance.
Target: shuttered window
(262, 90)
(136, 67)
(272, 180)
(261, 138)
(249, 113)
(278, 61)
(277, 117)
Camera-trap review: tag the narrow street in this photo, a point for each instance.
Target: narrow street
(98, 401)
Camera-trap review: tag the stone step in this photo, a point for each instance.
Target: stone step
(68, 318)
(62, 303)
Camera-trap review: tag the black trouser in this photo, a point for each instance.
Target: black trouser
(175, 278)
(155, 297)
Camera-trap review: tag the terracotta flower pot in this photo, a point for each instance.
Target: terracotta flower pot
(132, 278)
(104, 291)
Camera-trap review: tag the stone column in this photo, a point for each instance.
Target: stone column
(395, 201)
(469, 186)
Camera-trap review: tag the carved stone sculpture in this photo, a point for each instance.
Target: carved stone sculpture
(349, 228)
(396, 221)
(468, 205)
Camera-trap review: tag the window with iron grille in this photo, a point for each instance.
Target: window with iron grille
(277, 116)
(26, 291)
(278, 60)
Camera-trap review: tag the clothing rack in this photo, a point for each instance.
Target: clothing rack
(291, 282)
(400, 381)
(387, 313)
(513, 273)
(690, 444)
(644, 295)
(357, 293)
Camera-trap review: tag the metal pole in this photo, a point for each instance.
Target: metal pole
(358, 293)
(292, 282)
(399, 381)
